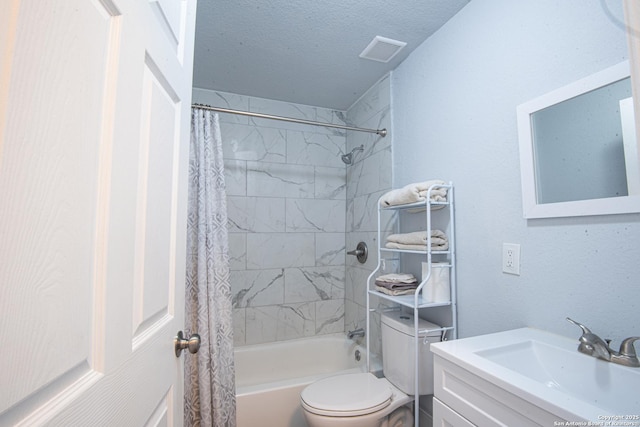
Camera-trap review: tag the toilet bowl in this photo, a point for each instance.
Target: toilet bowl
(362, 399)
(355, 400)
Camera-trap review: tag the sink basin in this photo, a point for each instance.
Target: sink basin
(595, 382)
(547, 368)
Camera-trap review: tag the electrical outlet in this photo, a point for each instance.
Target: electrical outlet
(511, 258)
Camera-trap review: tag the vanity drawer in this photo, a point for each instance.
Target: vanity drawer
(483, 403)
(443, 416)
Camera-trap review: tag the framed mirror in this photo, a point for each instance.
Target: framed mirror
(578, 148)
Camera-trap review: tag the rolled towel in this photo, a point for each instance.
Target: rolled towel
(415, 192)
(438, 238)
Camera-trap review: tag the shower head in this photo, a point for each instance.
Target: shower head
(348, 158)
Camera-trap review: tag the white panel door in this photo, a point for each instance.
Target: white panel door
(94, 137)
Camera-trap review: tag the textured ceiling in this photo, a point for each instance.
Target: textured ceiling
(306, 52)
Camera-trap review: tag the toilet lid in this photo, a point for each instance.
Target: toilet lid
(346, 395)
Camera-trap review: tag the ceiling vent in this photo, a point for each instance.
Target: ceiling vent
(382, 49)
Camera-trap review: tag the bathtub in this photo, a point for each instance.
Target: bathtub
(270, 377)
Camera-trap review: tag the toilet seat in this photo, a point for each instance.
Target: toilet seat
(347, 395)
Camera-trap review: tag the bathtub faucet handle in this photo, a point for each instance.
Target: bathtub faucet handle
(355, 333)
(361, 252)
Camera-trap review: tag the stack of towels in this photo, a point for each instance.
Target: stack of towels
(396, 284)
(417, 241)
(416, 192)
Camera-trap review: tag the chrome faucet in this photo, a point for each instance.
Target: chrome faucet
(595, 346)
(355, 333)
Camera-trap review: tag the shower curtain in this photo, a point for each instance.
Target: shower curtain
(209, 374)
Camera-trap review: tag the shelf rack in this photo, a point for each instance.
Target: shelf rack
(416, 302)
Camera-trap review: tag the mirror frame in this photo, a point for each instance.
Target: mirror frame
(530, 206)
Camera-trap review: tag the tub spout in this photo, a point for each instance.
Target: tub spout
(355, 333)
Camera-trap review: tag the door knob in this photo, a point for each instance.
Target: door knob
(179, 343)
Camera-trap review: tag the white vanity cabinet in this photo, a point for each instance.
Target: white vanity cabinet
(529, 377)
(463, 399)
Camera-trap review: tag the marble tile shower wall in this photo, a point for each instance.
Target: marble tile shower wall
(367, 179)
(286, 198)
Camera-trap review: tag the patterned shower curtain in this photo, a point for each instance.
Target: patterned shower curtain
(209, 377)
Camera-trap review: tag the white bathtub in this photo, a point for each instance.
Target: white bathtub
(270, 377)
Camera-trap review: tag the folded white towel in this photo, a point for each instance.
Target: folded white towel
(436, 245)
(394, 245)
(397, 278)
(419, 238)
(415, 192)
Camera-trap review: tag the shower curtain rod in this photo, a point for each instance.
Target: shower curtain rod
(381, 132)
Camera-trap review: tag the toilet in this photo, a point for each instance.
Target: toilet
(364, 400)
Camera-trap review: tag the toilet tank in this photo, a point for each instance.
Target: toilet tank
(398, 351)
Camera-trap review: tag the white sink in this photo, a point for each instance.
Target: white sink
(547, 368)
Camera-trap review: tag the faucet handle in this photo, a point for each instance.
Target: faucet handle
(585, 330)
(626, 348)
(592, 344)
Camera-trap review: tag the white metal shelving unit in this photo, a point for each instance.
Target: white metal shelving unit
(416, 302)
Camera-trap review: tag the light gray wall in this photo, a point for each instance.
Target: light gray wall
(454, 117)
(286, 198)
